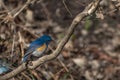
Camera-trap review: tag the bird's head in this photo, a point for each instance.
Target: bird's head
(46, 39)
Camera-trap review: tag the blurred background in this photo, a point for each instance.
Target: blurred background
(92, 53)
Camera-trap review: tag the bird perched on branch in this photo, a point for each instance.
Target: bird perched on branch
(37, 47)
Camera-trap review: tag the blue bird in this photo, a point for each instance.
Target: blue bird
(37, 47)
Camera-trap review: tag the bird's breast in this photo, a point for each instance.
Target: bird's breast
(40, 50)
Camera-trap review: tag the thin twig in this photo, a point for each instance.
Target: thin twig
(26, 4)
(67, 8)
(28, 78)
(21, 41)
(13, 43)
(64, 66)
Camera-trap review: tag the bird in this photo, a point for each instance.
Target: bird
(37, 47)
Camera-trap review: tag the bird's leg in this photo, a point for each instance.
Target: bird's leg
(30, 63)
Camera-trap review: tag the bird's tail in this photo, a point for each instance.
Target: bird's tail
(24, 59)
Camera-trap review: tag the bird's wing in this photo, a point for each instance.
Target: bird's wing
(29, 51)
(33, 46)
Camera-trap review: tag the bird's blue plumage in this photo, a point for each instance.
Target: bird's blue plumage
(45, 39)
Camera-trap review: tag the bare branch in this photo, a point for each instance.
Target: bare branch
(27, 3)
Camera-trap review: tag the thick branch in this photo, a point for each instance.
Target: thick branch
(88, 11)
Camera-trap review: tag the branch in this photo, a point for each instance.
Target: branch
(26, 4)
(88, 11)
